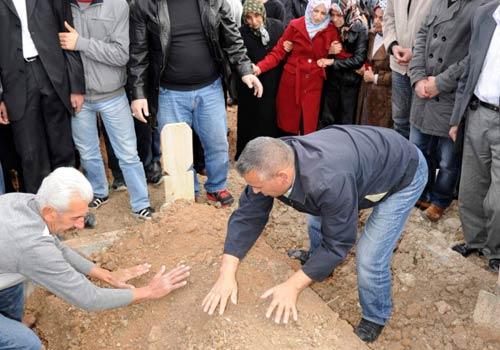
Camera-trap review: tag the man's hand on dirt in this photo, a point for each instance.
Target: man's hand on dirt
(119, 277)
(284, 301)
(164, 283)
(225, 287)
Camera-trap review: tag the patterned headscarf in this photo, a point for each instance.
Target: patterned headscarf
(256, 6)
(382, 4)
(350, 10)
(312, 28)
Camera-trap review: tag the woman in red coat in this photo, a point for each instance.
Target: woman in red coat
(299, 93)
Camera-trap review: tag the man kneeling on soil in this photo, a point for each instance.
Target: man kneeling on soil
(29, 249)
(330, 175)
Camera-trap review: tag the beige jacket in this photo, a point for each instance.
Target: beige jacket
(402, 26)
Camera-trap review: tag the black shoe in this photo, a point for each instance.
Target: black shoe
(494, 264)
(154, 174)
(368, 331)
(299, 254)
(97, 202)
(465, 250)
(89, 221)
(118, 185)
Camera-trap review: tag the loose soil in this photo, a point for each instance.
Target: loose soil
(435, 290)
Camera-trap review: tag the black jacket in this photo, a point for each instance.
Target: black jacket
(338, 170)
(296, 8)
(150, 42)
(64, 68)
(343, 70)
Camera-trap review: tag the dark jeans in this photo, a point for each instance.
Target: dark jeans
(402, 95)
(43, 135)
(440, 154)
(13, 334)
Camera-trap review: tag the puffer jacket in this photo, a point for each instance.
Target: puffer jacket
(150, 39)
(343, 70)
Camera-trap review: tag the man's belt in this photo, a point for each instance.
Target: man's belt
(476, 102)
(31, 59)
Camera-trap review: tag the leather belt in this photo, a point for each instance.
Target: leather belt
(476, 102)
(31, 59)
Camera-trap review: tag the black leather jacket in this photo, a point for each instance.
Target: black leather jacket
(150, 42)
(343, 70)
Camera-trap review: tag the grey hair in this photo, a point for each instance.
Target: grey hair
(266, 156)
(60, 186)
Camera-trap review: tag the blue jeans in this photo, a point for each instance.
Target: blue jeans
(204, 110)
(117, 119)
(402, 95)
(376, 245)
(2, 182)
(13, 334)
(440, 154)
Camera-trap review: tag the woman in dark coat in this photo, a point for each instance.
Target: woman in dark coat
(257, 116)
(299, 93)
(374, 100)
(340, 93)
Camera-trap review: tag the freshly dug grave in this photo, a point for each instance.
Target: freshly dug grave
(192, 234)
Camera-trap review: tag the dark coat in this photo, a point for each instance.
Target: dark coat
(374, 100)
(302, 80)
(64, 68)
(342, 71)
(440, 50)
(257, 116)
(150, 42)
(483, 27)
(338, 170)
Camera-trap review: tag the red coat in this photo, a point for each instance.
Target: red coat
(301, 83)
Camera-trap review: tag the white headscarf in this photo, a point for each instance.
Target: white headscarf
(311, 27)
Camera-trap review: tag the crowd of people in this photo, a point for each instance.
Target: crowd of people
(72, 71)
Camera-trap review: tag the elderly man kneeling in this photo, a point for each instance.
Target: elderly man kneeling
(30, 250)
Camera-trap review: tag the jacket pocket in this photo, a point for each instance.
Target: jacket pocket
(100, 27)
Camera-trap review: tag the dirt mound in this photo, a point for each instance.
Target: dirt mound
(177, 321)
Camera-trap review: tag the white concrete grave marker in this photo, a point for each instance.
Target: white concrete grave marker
(177, 159)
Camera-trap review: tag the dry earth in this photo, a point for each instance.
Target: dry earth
(435, 289)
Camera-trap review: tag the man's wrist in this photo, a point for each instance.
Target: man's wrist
(229, 265)
(299, 280)
(391, 45)
(141, 294)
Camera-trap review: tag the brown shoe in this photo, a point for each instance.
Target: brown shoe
(433, 213)
(422, 205)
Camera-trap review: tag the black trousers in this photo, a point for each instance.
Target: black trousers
(339, 104)
(42, 137)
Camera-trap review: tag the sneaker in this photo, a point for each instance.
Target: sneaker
(299, 254)
(144, 214)
(118, 185)
(368, 331)
(97, 202)
(220, 198)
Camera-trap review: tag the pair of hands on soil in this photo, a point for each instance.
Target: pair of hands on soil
(284, 295)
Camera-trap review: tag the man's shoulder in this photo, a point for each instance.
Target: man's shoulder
(485, 9)
(19, 214)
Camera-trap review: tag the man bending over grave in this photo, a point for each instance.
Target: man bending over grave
(330, 175)
(30, 250)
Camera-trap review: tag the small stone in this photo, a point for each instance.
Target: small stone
(452, 224)
(442, 307)
(413, 310)
(407, 279)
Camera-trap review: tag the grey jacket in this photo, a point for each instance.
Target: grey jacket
(401, 24)
(103, 43)
(441, 49)
(338, 170)
(483, 27)
(27, 253)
